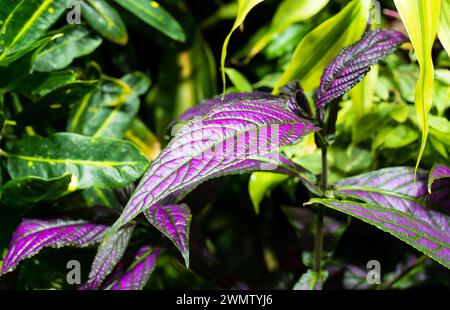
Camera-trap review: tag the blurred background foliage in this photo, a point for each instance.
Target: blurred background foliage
(248, 231)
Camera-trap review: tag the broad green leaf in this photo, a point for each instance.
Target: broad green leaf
(26, 191)
(75, 42)
(289, 12)
(239, 81)
(323, 44)
(244, 7)
(444, 25)
(28, 21)
(56, 104)
(260, 184)
(105, 163)
(41, 83)
(393, 138)
(153, 14)
(144, 139)
(105, 20)
(110, 110)
(421, 21)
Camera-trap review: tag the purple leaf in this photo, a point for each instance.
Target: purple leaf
(32, 235)
(408, 227)
(173, 221)
(204, 107)
(396, 188)
(231, 138)
(353, 63)
(139, 272)
(108, 255)
(438, 172)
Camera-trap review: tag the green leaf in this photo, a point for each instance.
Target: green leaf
(393, 138)
(260, 184)
(75, 42)
(104, 163)
(153, 14)
(362, 97)
(56, 104)
(244, 7)
(289, 12)
(41, 83)
(105, 20)
(28, 21)
(323, 44)
(109, 111)
(239, 81)
(421, 21)
(26, 191)
(444, 25)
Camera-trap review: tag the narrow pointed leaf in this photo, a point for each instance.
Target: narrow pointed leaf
(396, 188)
(138, 274)
(231, 138)
(108, 255)
(105, 20)
(173, 221)
(319, 47)
(421, 20)
(444, 25)
(156, 16)
(100, 162)
(244, 7)
(408, 227)
(438, 171)
(32, 235)
(354, 62)
(27, 23)
(75, 42)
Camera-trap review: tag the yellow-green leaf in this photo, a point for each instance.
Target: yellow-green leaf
(444, 25)
(421, 21)
(323, 44)
(288, 13)
(260, 184)
(244, 7)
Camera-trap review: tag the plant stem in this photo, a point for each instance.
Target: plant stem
(419, 261)
(318, 242)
